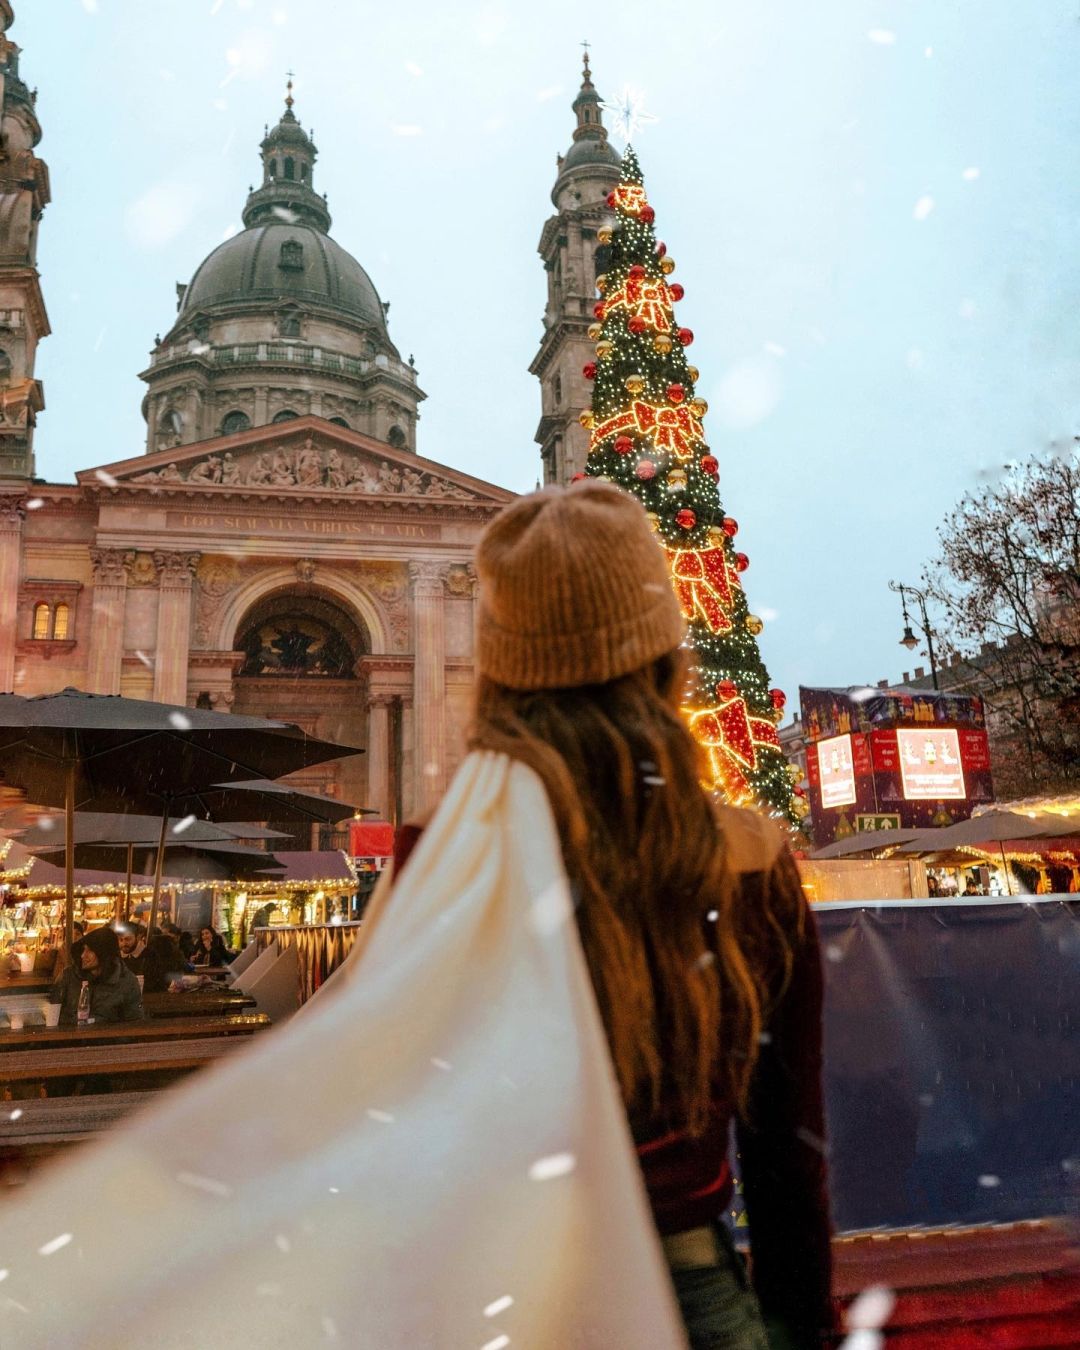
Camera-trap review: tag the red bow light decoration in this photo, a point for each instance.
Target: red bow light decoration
(703, 580)
(630, 197)
(647, 300)
(732, 738)
(678, 430)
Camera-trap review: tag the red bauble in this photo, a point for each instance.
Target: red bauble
(637, 272)
(685, 519)
(637, 324)
(710, 464)
(599, 311)
(623, 445)
(611, 200)
(779, 698)
(726, 690)
(742, 562)
(646, 469)
(661, 248)
(730, 527)
(686, 336)
(589, 370)
(577, 478)
(799, 791)
(676, 291)
(676, 393)
(647, 214)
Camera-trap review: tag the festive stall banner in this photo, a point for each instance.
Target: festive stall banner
(837, 771)
(930, 767)
(834, 712)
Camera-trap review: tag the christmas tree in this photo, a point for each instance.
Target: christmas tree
(647, 435)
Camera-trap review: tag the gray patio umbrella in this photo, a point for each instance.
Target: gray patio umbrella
(107, 753)
(185, 862)
(261, 799)
(866, 841)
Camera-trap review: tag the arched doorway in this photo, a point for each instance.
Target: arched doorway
(301, 651)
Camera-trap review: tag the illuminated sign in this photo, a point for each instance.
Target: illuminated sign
(837, 772)
(930, 767)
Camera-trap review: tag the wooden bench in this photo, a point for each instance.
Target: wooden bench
(196, 1003)
(66, 1120)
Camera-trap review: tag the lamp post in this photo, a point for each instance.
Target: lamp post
(909, 640)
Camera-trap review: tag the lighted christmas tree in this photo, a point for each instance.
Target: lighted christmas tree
(647, 435)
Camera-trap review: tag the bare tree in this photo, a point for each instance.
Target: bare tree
(1007, 584)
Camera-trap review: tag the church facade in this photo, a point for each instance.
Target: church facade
(280, 549)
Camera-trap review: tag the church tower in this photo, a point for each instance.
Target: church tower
(24, 193)
(586, 174)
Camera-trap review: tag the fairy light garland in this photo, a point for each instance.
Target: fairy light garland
(647, 435)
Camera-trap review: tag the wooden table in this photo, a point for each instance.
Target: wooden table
(34, 982)
(150, 1031)
(197, 1003)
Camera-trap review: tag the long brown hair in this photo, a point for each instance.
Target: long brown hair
(647, 861)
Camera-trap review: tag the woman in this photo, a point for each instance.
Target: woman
(162, 964)
(210, 949)
(114, 990)
(701, 950)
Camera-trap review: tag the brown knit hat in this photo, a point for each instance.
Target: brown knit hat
(573, 590)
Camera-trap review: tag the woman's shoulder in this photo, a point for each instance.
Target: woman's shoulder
(754, 842)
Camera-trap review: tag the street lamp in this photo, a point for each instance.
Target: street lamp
(909, 640)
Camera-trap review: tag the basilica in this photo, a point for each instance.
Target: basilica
(281, 548)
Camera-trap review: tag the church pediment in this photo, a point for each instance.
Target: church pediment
(310, 457)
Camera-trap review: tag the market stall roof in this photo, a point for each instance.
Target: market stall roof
(106, 827)
(993, 827)
(213, 861)
(315, 865)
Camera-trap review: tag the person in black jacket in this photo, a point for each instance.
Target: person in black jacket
(114, 991)
(210, 949)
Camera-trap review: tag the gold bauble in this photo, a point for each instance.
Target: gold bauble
(634, 384)
(603, 234)
(794, 772)
(586, 418)
(662, 343)
(693, 373)
(677, 481)
(801, 807)
(754, 624)
(699, 406)
(654, 521)
(716, 536)
(604, 348)
(667, 265)
(601, 282)
(595, 329)
(777, 715)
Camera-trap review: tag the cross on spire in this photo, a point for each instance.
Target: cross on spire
(289, 100)
(586, 44)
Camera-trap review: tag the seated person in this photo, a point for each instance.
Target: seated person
(210, 949)
(162, 963)
(114, 990)
(185, 940)
(132, 949)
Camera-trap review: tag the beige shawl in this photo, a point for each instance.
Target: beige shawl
(434, 1154)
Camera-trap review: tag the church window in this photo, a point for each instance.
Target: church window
(273, 168)
(294, 636)
(289, 323)
(5, 365)
(290, 168)
(303, 173)
(339, 422)
(292, 256)
(558, 390)
(235, 421)
(285, 415)
(42, 618)
(396, 438)
(61, 622)
(170, 422)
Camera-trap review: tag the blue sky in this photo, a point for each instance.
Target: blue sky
(874, 206)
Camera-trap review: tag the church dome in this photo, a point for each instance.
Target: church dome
(590, 151)
(275, 262)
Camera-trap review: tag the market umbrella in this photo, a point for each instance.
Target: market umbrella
(186, 862)
(104, 752)
(261, 799)
(992, 827)
(866, 841)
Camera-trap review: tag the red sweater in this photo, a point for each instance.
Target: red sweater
(781, 1146)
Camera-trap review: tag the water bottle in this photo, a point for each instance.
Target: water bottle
(82, 1017)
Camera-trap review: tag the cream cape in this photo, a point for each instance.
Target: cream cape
(437, 1134)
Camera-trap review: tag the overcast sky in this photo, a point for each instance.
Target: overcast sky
(874, 206)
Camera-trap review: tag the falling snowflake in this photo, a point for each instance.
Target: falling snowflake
(923, 207)
(329, 1327)
(105, 478)
(282, 1243)
(142, 656)
(406, 129)
(775, 349)
(872, 1309)
(551, 910)
(442, 1064)
(283, 213)
(91, 6)
(970, 174)
(16, 1113)
(499, 1343)
(628, 114)
(185, 823)
(554, 1165)
(207, 1184)
(180, 721)
(499, 1305)
(383, 1117)
(988, 1181)
(883, 37)
(411, 68)
(55, 1244)
(35, 503)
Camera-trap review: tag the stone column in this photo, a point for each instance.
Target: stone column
(177, 571)
(11, 519)
(378, 754)
(107, 620)
(429, 683)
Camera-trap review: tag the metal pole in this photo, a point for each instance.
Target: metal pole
(157, 872)
(928, 633)
(69, 855)
(127, 891)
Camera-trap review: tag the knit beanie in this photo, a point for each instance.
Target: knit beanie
(574, 589)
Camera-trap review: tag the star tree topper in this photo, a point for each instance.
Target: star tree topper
(628, 114)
